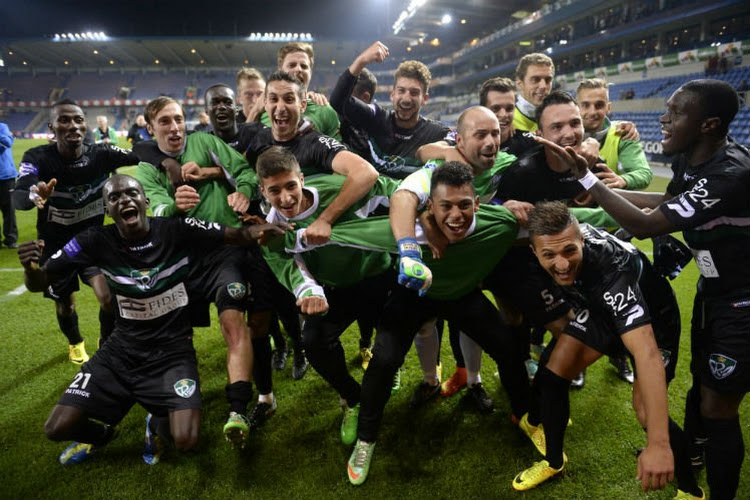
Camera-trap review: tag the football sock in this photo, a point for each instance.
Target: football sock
(535, 410)
(92, 432)
(427, 345)
(239, 395)
(262, 371)
(106, 325)
(454, 335)
(683, 470)
(693, 423)
(266, 398)
(555, 405)
(274, 331)
(472, 356)
(69, 327)
(725, 451)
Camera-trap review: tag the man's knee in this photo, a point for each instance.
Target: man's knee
(719, 406)
(65, 306)
(60, 423)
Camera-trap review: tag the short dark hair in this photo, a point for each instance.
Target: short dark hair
(554, 97)
(717, 99)
(415, 70)
(283, 76)
(550, 217)
(62, 102)
(276, 160)
(498, 84)
(155, 105)
(215, 86)
(452, 173)
(366, 82)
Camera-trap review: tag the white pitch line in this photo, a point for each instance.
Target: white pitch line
(11, 269)
(17, 291)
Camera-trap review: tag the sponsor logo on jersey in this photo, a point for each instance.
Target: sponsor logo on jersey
(72, 248)
(202, 224)
(329, 142)
(68, 217)
(144, 278)
(185, 387)
(236, 290)
(153, 307)
(705, 263)
(741, 303)
(721, 366)
(25, 168)
(140, 248)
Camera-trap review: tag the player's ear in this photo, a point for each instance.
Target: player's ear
(302, 179)
(476, 204)
(709, 125)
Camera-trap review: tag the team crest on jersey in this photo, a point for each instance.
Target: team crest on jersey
(236, 290)
(721, 366)
(185, 387)
(144, 278)
(80, 192)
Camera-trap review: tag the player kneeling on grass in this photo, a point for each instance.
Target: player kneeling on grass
(612, 285)
(149, 358)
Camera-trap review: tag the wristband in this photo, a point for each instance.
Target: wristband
(409, 247)
(588, 180)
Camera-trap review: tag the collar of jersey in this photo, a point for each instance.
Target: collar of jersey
(525, 107)
(178, 154)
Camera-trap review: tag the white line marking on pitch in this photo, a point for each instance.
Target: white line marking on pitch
(17, 291)
(11, 269)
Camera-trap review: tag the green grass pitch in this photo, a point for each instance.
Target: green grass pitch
(443, 451)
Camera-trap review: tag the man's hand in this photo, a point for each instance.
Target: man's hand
(590, 151)
(627, 131)
(191, 172)
(567, 155)
(412, 273)
(609, 178)
(30, 253)
(655, 467)
(520, 209)
(318, 233)
(239, 202)
(262, 232)
(256, 110)
(436, 240)
(319, 99)
(313, 304)
(43, 190)
(377, 52)
(186, 198)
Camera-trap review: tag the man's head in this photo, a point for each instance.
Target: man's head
(364, 89)
(593, 99)
(453, 201)
(297, 58)
(556, 240)
(101, 122)
(250, 88)
(220, 107)
(126, 203)
(281, 180)
(410, 92)
(534, 75)
(140, 120)
(499, 96)
(700, 109)
(68, 123)
(285, 104)
(166, 122)
(559, 119)
(478, 138)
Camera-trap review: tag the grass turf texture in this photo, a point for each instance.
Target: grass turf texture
(445, 450)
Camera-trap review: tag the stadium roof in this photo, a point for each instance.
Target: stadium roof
(182, 34)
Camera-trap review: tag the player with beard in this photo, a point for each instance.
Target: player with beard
(316, 153)
(479, 236)
(222, 274)
(149, 358)
(614, 287)
(395, 135)
(706, 200)
(64, 180)
(297, 59)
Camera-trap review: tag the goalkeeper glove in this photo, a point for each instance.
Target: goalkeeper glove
(412, 273)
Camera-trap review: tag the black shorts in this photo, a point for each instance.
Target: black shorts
(107, 386)
(519, 282)
(721, 342)
(66, 284)
(217, 276)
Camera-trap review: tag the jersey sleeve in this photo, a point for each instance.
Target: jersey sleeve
(191, 231)
(419, 183)
(236, 165)
(368, 117)
(78, 253)
(715, 195)
(149, 152)
(323, 149)
(28, 175)
(635, 169)
(328, 121)
(116, 157)
(291, 271)
(158, 189)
